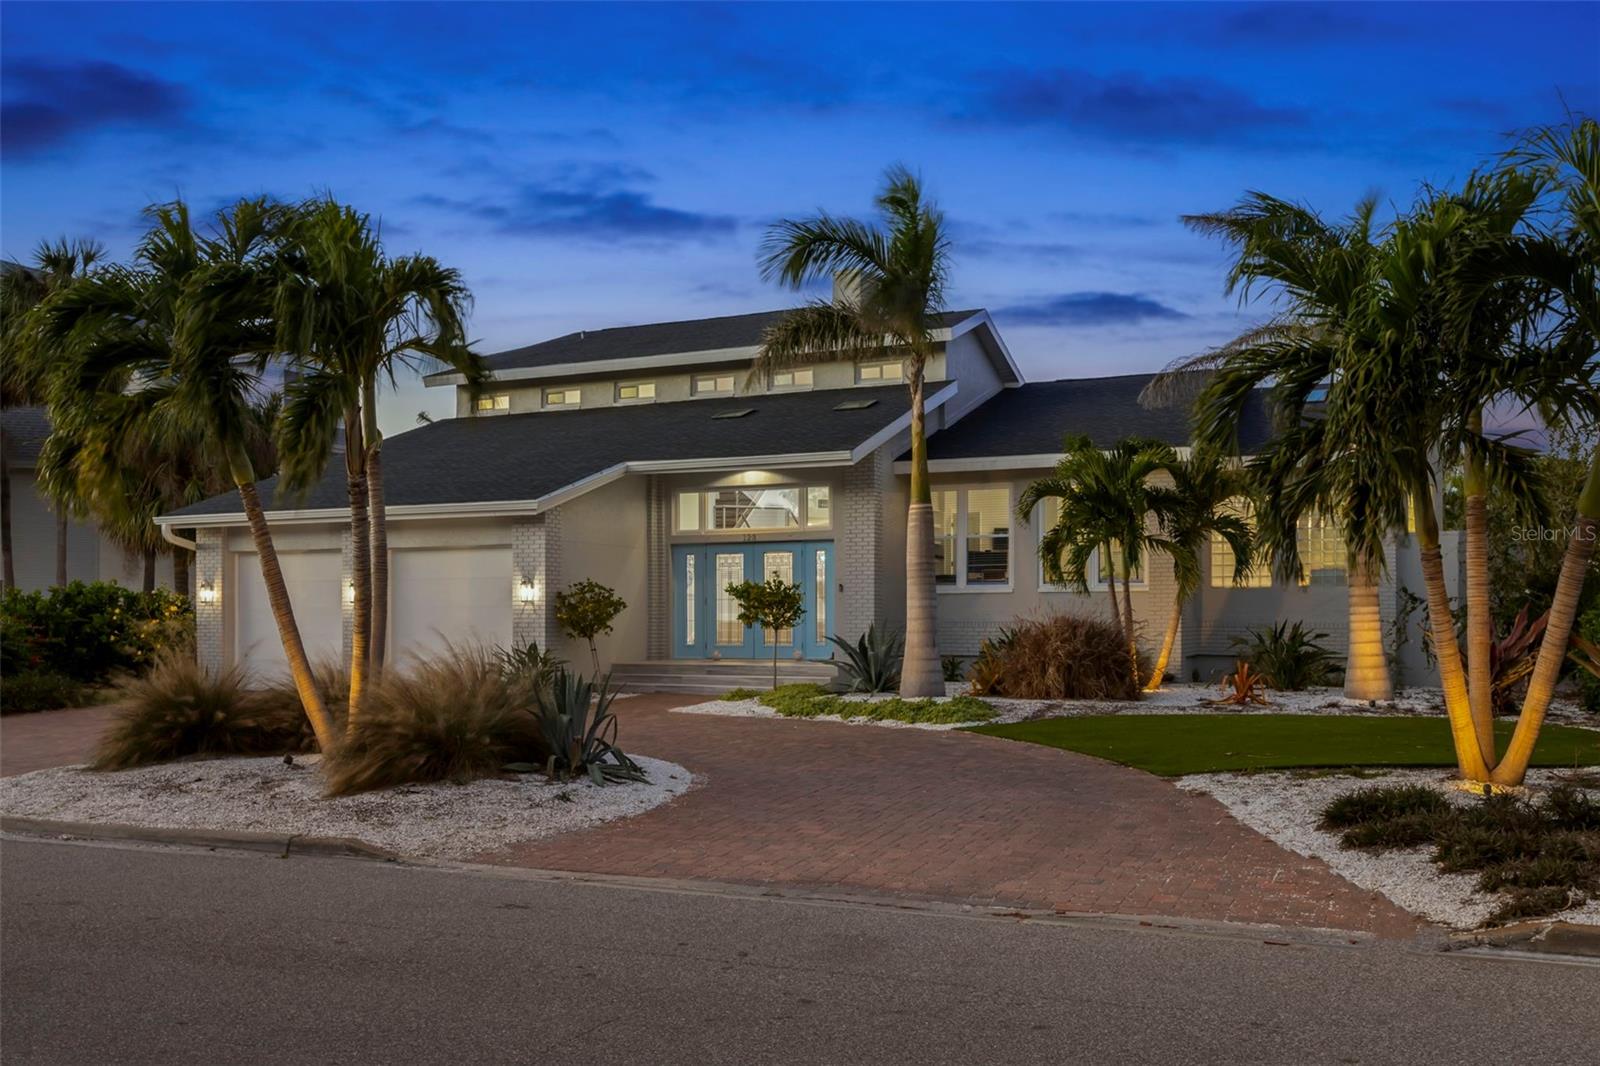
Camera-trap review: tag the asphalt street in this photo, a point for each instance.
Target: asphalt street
(135, 955)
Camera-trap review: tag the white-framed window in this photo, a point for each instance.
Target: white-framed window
(567, 397)
(972, 537)
(636, 391)
(877, 373)
(793, 379)
(1322, 551)
(713, 385)
(1047, 514)
(1098, 575)
(1224, 565)
(497, 404)
(751, 509)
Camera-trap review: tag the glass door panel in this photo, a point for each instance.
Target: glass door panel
(730, 635)
(778, 564)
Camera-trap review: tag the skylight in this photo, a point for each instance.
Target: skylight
(854, 405)
(740, 413)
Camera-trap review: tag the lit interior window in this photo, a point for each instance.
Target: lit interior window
(636, 391)
(880, 372)
(561, 397)
(500, 401)
(793, 379)
(713, 385)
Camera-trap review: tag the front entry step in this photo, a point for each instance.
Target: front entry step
(711, 677)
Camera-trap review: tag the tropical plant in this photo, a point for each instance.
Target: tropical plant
(580, 732)
(872, 663)
(1106, 503)
(530, 663)
(1243, 687)
(91, 631)
(1056, 657)
(1585, 654)
(352, 316)
(1205, 500)
(954, 667)
(1288, 657)
(191, 323)
(452, 717)
(775, 605)
(586, 610)
(26, 367)
(891, 294)
(1511, 659)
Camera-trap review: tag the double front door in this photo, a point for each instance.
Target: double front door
(705, 619)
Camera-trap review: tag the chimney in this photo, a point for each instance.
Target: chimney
(847, 288)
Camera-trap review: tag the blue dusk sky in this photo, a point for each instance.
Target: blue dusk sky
(595, 165)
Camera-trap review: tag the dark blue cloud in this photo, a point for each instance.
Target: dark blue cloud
(1133, 108)
(49, 104)
(1293, 24)
(1088, 309)
(592, 201)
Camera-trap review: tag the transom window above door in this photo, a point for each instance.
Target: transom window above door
(567, 397)
(713, 384)
(748, 509)
(881, 371)
(636, 391)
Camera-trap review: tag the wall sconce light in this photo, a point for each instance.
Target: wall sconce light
(349, 592)
(528, 591)
(208, 593)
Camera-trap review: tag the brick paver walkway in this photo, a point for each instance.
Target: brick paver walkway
(908, 812)
(950, 816)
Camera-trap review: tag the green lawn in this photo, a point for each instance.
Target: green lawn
(1176, 744)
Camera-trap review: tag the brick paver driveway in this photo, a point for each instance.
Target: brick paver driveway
(907, 812)
(949, 816)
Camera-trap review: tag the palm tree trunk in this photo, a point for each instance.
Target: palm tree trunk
(380, 528)
(920, 673)
(360, 561)
(1167, 640)
(1557, 632)
(5, 525)
(1480, 628)
(180, 571)
(61, 545)
(294, 648)
(1133, 632)
(1366, 675)
(1470, 757)
(149, 570)
(1111, 587)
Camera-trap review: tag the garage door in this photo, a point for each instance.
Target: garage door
(313, 581)
(448, 595)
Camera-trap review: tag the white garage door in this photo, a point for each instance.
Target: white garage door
(448, 595)
(313, 582)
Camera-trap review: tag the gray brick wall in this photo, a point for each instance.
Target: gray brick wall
(208, 627)
(658, 568)
(347, 607)
(536, 558)
(858, 542)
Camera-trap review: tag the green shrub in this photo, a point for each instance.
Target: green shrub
(1534, 903)
(530, 664)
(456, 717)
(1402, 831)
(1383, 802)
(180, 709)
(92, 631)
(36, 690)
(1289, 657)
(954, 667)
(1588, 682)
(1057, 657)
(872, 663)
(1573, 810)
(811, 701)
(743, 694)
(585, 610)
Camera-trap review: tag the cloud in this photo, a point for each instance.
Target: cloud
(49, 104)
(1132, 108)
(1089, 309)
(1033, 251)
(1293, 24)
(596, 201)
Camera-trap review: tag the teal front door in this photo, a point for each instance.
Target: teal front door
(705, 619)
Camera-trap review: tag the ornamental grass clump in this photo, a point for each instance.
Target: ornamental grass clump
(1057, 657)
(456, 717)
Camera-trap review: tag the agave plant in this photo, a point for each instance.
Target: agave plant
(575, 719)
(532, 664)
(1247, 686)
(872, 663)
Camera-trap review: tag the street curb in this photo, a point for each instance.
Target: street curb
(1549, 938)
(282, 844)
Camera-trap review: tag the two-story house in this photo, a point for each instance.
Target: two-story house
(649, 458)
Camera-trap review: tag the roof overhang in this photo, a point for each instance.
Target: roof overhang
(512, 508)
(986, 463)
(993, 343)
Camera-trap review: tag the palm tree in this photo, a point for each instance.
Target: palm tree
(189, 327)
(896, 274)
(353, 316)
(25, 369)
(1106, 501)
(1203, 502)
(1319, 273)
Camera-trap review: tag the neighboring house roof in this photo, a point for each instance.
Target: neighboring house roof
(533, 461)
(26, 430)
(693, 336)
(1031, 420)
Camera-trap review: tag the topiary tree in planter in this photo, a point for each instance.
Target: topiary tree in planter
(586, 610)
(774, 604)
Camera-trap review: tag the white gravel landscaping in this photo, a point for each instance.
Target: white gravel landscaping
(264, 795)
(1005, 711)
(1286, 809)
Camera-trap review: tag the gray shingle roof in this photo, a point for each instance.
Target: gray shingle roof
(1032, 419)
(26, 430)
(655, 338)
(527, 456)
